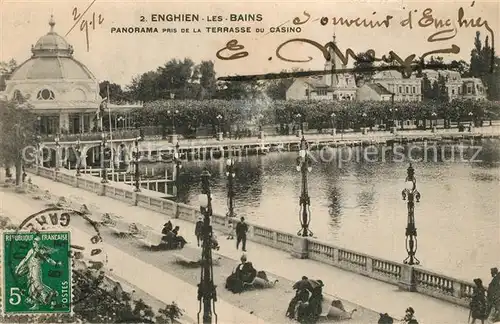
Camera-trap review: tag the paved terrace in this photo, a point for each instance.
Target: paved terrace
(348, 286)
(155, 286)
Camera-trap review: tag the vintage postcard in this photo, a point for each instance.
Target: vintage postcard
(249, 162)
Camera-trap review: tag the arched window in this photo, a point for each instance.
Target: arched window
(45, 94)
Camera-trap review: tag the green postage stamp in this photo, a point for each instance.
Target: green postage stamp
(36, 273)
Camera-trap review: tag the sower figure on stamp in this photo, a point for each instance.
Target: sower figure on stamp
(31, 267)
(241, 234)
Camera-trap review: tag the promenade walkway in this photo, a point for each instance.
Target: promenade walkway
(351, 136)
(159, 284)
(369, 293)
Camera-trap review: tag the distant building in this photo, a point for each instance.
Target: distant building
(372, 92)
(404, 89)
(340, 86)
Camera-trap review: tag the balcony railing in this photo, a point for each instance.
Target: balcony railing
(93, 136)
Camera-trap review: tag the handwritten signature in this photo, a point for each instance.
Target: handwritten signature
(406, 65)
(84, 23)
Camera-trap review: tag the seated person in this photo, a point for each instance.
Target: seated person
(243, 274)
(178, 240)
(301, 294)
(167, 227)
(310, 310)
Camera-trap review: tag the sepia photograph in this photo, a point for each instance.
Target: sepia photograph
(249, 162)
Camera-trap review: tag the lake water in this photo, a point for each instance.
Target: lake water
(357, 204)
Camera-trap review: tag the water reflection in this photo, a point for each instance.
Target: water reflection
(356, 199)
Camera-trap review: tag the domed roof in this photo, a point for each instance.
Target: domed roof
(52, 59)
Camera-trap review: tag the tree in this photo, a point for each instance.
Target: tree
(207, 79)
(484, 65)
(442, 90)
(426, 88)
(17, 132)
(363, 66)
(6, 69)
(116, 94)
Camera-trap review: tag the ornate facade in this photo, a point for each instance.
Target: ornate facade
(63, 92)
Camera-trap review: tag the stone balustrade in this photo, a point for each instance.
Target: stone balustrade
(411, 278)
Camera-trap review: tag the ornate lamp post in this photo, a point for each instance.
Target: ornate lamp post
(304, 166)
(206, 287)
(333, 116)
(78, 157)
(230, 191)
(434, 116)
(104, 173)
(58, 148)
(178, 167)
(413, 195)
(38, 159)
(219, 121)
(174, 113)
(471, 116)
(136, 164)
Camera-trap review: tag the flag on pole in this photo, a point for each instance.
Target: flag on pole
(102, 107)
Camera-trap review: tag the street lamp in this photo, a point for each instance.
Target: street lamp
(413, 195)
(304, 166)
(174, 113)
(219, 120)
(178, 167)
(104, 173)
(38, 140)
(434, 116)
(136, 164)
(230, 173)
(58, 146)
(206, 287)
(333, 116)
(78, 157)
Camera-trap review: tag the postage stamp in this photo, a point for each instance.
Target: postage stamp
(37, 273)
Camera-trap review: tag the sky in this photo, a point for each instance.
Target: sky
(119, 57)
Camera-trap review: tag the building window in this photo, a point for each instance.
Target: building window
(407, 90)
(307, 92)
(400, 89)
(469, 89)
(321, 92)
(45, 94)
(452, 91)
(413, 90)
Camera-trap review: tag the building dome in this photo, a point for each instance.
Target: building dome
(52, 59)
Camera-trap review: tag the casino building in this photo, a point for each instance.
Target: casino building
(64, 93)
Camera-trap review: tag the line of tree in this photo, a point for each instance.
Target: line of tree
(318, 114)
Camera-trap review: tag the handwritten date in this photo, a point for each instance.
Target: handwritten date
(86, 23)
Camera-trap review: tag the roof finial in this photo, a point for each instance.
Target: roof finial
(52, 23)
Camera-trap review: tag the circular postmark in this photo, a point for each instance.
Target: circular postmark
(51, 266)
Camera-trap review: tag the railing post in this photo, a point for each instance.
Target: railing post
(134, 198)
(300, 248)
(76, 181)
(102, 189)
(407, 281)
(369, 264)
(54, 175)
(457, 291)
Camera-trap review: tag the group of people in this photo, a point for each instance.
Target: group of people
(484, 302)
(171, 238)
(305, 306)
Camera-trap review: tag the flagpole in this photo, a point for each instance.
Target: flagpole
(112, 164)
